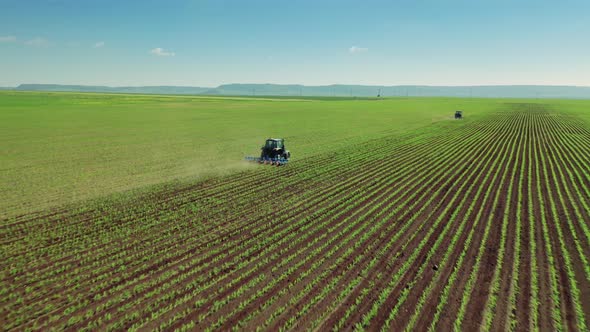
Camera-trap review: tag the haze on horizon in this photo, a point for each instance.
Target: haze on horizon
(208, 43)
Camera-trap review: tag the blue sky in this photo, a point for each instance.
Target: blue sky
(207, 43)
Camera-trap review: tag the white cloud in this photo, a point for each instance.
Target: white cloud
(98, 44)
(161, 52)
(7, 39)
(356, 49)
(38, 42)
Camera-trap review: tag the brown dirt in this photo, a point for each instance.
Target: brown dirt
(523, 296)
(503, 311)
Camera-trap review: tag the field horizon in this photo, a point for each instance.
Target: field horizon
(334, 90)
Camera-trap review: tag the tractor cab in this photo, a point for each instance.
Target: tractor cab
(458, 114)
(274, 148)
(273, 143)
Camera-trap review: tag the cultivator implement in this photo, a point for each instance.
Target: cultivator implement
(268, 161)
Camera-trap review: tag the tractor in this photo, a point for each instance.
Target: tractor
(458, 115)
(273, 152)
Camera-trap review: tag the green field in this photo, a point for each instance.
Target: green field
(63, 147)
(128, 212)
